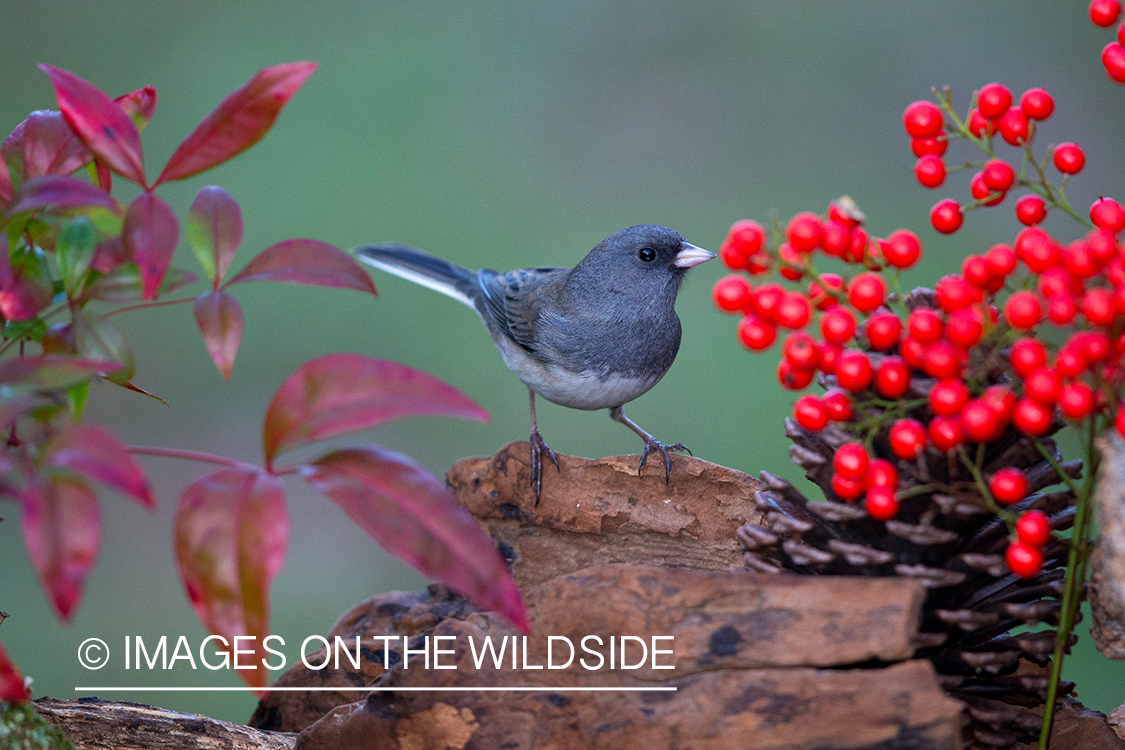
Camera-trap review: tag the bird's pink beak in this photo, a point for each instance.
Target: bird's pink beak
(690, 255)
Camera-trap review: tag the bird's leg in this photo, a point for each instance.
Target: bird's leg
(538, 449)
(617, 414)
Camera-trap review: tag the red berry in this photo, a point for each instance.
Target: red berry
(880, 473)
(819, 296)
(1022, 310)
(866, 291)
(880, 503)
(979, 125)
(1037, 250)
(1075, 401)
(791, 378)
(1028, 355)
(922, 119)
(930, 171)
(835, 237)
(850, 460)
(767, 300)
(1070, 361)
(794, 311)
(902, 248)
(793, 262)
(1001, 260)
(892, 378)
(837, 325)
(847, 488)
(946, 216)
(809, 412)
(1113, 60)
(883, 331)
(731, 294)
(1107, 214)
(943, 361)
(935, 145)
(1098, 307)
(945, 432)
(979, 422)
(1014, 126)
(745, 239)
(1069, 158)
(1079, 260)
(803, 232)
(837, 405)
(758, 264)
(1037, 104)
(993, 100)
(857, 248)
(1093, 345)
(853, 370)
(964, 327)
(1119, 421)
(1008, 485)
(1104, 12)
(1061, 309)
(924, 325)
(1024, 560)
(828, 354)
(998, 175)
(976, 271)
(1031, 417)
(800, 349)
(948, 397)
(1042, 385)
(1033, 528)
(1102, 246)
(953, 292)
(907, 438)
(755, 333)
(913, 352)
(1121, 34)
(1030, 210)
(980, 191)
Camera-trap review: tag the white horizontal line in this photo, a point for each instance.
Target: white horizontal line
(372, 689)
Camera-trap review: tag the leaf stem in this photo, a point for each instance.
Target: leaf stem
(147, 305)
(187, 455)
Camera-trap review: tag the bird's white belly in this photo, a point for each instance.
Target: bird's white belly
(585, 390)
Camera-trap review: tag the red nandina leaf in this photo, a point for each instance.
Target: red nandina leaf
(12, 687)
(219, 317)
(105, 177)
(52, 371)
(122, 285)
(100, 123)
(341, 393)
(412, 514)
(303, 261)
(50, 146)
(231, 534)
(5, 185)
(143, 392)
(100, 455)
(214, 229)
(150, 234)
(139, 105)
(62, 192)
(62, 529)
(238, 122)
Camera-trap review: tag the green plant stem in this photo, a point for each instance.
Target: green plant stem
(147, 305)
(1075, 576)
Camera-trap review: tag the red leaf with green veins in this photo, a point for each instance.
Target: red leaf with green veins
(150, 234)
(302, 261)
(50, 146)
(341, 393)
(100, 123)
(231, 534)
(52, 371)
(219, 317)
(214, 229)
(60, 192)
(238, 122)
(12, 687)
(100, 455)
(412, 514)
(62, 529)
(139, 105)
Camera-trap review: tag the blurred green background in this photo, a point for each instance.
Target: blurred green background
(506, 135)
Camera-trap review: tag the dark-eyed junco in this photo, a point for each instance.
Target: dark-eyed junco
(595, 336)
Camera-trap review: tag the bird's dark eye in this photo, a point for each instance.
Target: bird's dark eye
(647, 254)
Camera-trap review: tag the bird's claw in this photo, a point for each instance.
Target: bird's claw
(652, 444)
(538, 449)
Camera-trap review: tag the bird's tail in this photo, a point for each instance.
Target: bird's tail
(430, 271)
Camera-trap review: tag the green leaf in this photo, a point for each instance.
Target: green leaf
(76, 398)
(98, 339)
(75, 250)
(122, 285)
(33, 330)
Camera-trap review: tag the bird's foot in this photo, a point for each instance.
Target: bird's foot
(652, 444)
(539, 448)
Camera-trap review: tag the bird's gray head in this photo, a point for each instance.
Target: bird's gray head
(647, 256)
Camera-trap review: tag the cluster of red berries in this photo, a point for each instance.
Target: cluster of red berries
(1105, 13)
(993, 114)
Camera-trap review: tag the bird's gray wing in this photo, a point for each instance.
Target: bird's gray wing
(513, 301)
